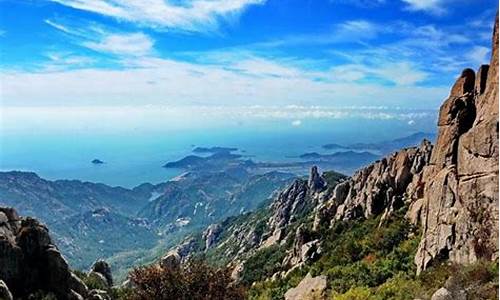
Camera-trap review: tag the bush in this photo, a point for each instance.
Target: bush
(262, 264)
(357, 293)
(194, 280)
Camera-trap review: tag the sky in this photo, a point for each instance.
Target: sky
(295, 58)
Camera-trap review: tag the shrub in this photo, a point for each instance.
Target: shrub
(357, 293)
(262, 264)
(194, 280)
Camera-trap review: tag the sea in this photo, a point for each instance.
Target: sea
(135, 147)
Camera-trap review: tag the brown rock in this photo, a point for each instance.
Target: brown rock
(460, 209)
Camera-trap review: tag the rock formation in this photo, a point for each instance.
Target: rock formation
(30, 262)
(460, 203)
(309, 288)
(101, 267)
(377, 189)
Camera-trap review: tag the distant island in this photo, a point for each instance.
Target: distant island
(215, 149)
(386, 147)
(97, 162)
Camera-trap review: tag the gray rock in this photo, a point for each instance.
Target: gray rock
(308, 288)
(316, 183)
(442, 294)
(171, 261)
(102, 267)
(30, 261)
(211, 234)
(461, 183)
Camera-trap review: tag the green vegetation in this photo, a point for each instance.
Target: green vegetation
(263, 264)
(365, 261)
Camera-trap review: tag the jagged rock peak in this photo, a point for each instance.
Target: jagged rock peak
(316, 183)
(459, 208)
(378, 188)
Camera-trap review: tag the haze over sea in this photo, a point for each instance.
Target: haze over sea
(135, 143)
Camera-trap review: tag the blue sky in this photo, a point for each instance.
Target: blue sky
(301, 55)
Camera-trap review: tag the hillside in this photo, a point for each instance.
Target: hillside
(399, 228)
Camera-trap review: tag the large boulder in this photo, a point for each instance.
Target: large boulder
(309, 288)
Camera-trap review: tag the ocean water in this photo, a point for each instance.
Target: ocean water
(134, 150)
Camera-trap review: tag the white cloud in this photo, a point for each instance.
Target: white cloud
(101, 39)
(195, 15)
(345, 32)
(479, 55)
(164, 81)
(400, 73)
(157, 117)
(134, 44)
(431, 6)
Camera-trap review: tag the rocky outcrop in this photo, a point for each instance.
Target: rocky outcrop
(101, 267)
(290, 204)
(30, 262)
(380, 188)
(309, 288)
(316, 183)
(459, 212)
(211, 234)
(171, 260)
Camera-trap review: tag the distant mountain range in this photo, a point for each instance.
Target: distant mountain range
(386, 147)
(93, 220)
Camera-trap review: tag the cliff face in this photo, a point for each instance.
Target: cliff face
(460, 203)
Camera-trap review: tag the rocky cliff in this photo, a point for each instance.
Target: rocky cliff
(459, 213)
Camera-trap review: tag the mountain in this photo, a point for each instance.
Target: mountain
(385, 147)
(90, 235)
(91, 221)
(204, 197)
(421, 222)
(53, 200)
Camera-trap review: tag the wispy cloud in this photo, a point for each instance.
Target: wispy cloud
(431, 6)
(101, 39)
(134, 44)
(399, 73)
(195, 15)
(479, 55)
(350, 31)
(166, 81)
